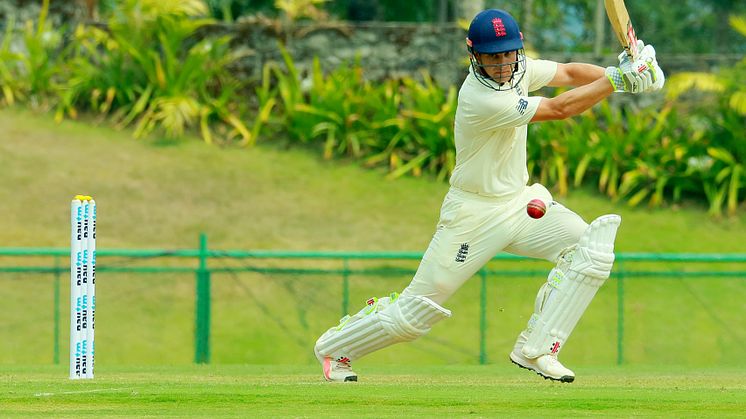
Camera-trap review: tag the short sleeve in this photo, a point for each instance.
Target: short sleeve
(540, 73)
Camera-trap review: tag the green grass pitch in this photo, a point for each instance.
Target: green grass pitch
(396, 391)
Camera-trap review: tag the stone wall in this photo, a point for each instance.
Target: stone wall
(383, 50)
(392, 50)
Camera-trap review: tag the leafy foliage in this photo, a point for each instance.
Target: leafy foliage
(653, 155)
(724, 106)
(29, 67)
(148, 69)
(402, 124)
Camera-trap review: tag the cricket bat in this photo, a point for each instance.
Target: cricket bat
(622, 26)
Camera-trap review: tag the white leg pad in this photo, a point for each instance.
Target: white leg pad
(381, 323)
(570, 288)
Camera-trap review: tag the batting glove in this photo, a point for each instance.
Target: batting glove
(625, 77)
(636, 77)
(632, 82)
(647, 55)
(625, 61)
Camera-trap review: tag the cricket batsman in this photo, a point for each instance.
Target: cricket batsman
(484, 211)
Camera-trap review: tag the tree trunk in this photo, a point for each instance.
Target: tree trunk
(722, 12)
(600, 29)
(88, 9)
(442, 11)
(527, 23)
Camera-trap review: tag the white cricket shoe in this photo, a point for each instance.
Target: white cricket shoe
(338, 370)
(548, 366)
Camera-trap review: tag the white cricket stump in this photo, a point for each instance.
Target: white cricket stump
(82, 285)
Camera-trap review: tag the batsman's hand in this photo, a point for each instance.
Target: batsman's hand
(647, 55)
(636, 77)
(632, 82)
(645, 58)
(625, 61)
(624, 78)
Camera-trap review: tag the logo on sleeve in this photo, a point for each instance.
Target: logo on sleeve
(462, 252)
(522, 105)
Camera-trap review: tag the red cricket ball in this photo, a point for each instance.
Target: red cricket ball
(536, 208)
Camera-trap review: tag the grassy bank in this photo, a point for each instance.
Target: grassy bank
(153, 194)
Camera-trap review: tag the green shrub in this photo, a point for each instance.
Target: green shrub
(722, 113)
(655, 155)
(402, 124)
(148, 69)
(29, 65)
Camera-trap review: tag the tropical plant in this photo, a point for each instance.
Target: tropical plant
(426, 128)
(657, 160)
(29, 69)
(149, 69)
(726, 108)
(401, 123)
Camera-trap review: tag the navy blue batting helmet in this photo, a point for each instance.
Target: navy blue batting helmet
(493, 31)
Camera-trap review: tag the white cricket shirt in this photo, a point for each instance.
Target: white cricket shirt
(490, 132)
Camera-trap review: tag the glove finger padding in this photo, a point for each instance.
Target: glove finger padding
(660, 77)
(630, 82)
(646, 53)
(634, 82)
(647, 77)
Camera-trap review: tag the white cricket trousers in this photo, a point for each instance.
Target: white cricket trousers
(473, 229)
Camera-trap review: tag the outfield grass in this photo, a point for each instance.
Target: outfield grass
(395, 391)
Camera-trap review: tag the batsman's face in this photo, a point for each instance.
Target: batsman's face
(500, 66)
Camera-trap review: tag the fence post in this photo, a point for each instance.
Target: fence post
(56, 310)
(620, 314)
(483, 318)
(345, 286)
(202, 307)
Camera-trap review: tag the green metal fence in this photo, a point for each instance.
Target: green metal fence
(648, 265)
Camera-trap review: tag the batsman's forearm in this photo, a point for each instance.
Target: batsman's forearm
(582, 74)
(576, 101)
